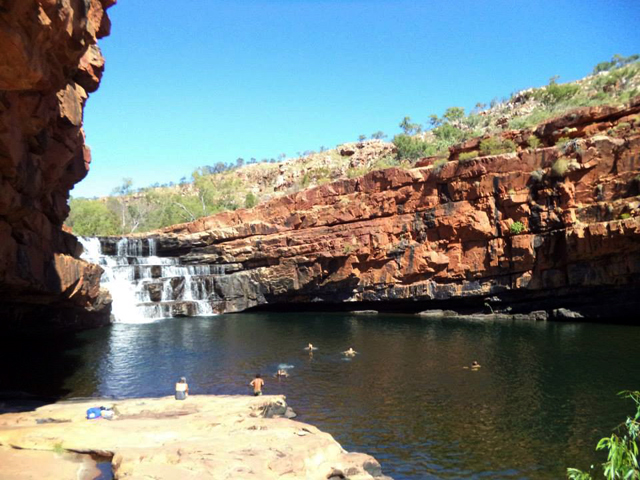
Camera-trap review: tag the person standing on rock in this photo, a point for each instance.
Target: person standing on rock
(182, 389)
(257, 384)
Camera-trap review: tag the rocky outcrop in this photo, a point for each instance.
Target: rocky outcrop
(203, 437)
(49, 61)
(532, 230)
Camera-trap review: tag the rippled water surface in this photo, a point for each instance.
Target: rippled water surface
(545, 394)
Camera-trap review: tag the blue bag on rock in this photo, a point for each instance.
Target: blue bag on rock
(95, 412)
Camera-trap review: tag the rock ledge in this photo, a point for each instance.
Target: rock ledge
(206, 436)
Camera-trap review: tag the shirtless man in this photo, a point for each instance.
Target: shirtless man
(350, 353)
(257, 384)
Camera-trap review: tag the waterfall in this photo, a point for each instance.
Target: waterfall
(145, 287)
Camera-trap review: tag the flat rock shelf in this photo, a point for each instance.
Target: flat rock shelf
(203, 437)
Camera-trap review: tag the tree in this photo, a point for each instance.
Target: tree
(412, 148)
(91, 218)
(434, 121)
(239, 162)
(362, 138)
(454, 114)
(410, 128)
(120, 204)
(379, 135)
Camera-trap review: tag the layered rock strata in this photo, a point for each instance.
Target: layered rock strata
(537, 229)
(49, 62)
(203, 437)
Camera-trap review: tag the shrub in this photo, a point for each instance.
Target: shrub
(562, 141)
(537, 176)
(534, 142)
(624, 216)
(562, 166)
(494, 146)
(559, 168)
(250, 200)
(623, 458)
(466, 156)
(438, 164)
(556, 93)
(516, 228)
(357, 172)
(412, 148)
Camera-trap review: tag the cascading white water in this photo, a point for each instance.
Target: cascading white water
(136, 281)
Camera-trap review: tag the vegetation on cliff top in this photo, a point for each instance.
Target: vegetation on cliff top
(220, 187)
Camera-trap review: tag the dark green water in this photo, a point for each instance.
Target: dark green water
(545, 394)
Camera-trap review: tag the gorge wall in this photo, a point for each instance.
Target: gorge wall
(49, 63)
(538, 229)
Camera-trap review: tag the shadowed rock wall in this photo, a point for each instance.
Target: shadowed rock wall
(444, 235)
(49, 62)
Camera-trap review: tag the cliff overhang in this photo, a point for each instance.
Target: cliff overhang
(49, 63)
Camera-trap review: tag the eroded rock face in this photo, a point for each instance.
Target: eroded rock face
(533, 230)
(49, 60)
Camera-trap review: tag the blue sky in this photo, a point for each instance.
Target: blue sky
(195, 82)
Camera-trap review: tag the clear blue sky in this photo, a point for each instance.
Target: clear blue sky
(194, 82)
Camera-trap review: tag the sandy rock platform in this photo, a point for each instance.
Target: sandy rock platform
(204, 437)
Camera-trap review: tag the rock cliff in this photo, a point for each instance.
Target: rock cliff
(49, 62)
(537, 229)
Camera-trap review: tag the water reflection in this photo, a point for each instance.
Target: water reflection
(543, 397)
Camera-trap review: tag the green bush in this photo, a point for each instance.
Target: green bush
(624, 216)
(559, 168)
(534, 142)
(495, 146)
(516, 228)
(439, 164)
(250, 200)
(91, 217)
(556, 93)
(412, 148)
(623, 459)
(562, 141)
(537, 176)
(466, 156)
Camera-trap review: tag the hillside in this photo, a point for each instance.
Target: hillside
(221, 187)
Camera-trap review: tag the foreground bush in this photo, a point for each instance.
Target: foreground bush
(622, 460)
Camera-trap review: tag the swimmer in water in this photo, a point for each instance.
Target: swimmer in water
(310, 347)
(350, 353)
(475, 365)
(281, 373)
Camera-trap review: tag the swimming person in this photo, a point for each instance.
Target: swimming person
(281, 373)
(182, 389)
(257, 384)
(475, 365)
(350, 353)
(310, 347)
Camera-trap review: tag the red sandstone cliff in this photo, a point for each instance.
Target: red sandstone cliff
(49, 62)
(432, 233)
